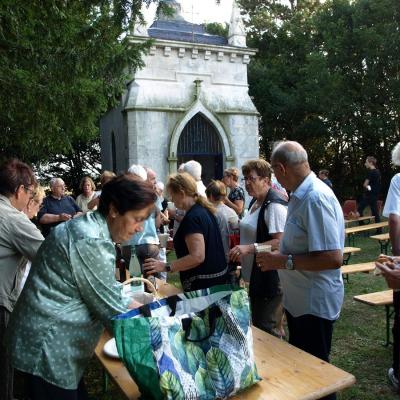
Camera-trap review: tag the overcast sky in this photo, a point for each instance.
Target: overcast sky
(198, 11)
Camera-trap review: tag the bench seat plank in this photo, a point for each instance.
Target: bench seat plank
(382, 298)
(382, 236)
(362, 228)
(362, 267)
(351, 250)
(366, 218)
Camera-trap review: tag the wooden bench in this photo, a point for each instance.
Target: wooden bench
(354, 268)
(384, 241)
(383, 298)
(348, 252)
(367, 218)
(350, 232)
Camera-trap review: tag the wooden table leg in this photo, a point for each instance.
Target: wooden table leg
(384, 246)
(105, 381)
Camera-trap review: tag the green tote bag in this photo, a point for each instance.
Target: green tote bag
(195, 345)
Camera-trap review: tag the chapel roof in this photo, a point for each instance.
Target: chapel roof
(184, 31)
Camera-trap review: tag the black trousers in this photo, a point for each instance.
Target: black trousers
(396, 334)
(39, 389)
(6, 370)
(371, 200)
(313, 335)
(266, 314)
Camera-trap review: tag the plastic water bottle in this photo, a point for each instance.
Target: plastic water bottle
(135, 272)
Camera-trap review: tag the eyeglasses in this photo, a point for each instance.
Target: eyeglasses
(31, 191)
(250, 178)
(38, 203)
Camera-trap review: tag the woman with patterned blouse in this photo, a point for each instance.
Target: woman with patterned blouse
(235, 199)
(71, 292)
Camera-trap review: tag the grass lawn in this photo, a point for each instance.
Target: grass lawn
(358, 339)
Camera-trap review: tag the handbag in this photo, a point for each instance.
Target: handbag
(194, 345)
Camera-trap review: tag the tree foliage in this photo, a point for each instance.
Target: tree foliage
(216, 28)
(327, 75)
(63, 63)
(83, 160)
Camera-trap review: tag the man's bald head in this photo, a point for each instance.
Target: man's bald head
(290, 163)
(289, 153)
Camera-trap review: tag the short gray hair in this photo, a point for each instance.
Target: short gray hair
(193, 168)
(138, 170)
(54, 181)
(289, 153)
(396, 155)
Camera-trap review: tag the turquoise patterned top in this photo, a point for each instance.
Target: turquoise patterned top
(70, 295)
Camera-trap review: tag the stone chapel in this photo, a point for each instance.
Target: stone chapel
(189, 101)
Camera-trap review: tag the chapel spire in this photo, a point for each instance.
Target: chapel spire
(237, 34)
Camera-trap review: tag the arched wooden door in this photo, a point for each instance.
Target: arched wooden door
(199, 141)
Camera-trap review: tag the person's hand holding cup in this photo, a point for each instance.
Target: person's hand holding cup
(171, 209)
(267, 259)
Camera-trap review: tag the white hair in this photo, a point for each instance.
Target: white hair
(160, 185)
(138, 170)
(396, 155)
(193, 168)
(54, 181)
(181, 168)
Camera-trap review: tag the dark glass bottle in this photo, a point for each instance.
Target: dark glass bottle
(234, 240)
(120, 264)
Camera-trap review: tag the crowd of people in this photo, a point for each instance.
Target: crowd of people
(63, 274)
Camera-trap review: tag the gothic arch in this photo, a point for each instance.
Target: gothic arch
(198, 107)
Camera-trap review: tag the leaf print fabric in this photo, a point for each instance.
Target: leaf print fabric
(199, 355)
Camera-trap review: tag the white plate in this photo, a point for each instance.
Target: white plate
(110, 348)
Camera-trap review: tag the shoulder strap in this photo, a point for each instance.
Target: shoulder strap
(274, 196)
(252, 201)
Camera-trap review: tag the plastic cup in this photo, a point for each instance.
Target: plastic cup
(264, 248)
(163, 238)
(171, 206)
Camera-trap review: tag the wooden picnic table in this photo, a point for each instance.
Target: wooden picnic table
(383, 298)
(286, 371)
(350, 232)
(384, 241)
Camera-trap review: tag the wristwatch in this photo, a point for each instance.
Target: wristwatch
(255, 247)
(168, 267)
(289, 262)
